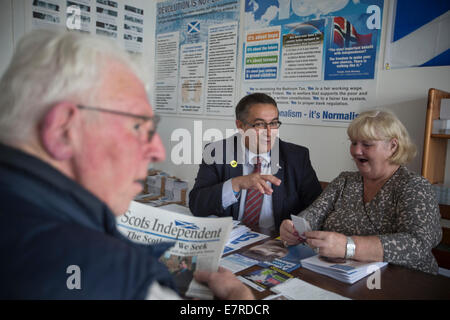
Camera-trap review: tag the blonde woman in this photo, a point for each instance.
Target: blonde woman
(382, 212)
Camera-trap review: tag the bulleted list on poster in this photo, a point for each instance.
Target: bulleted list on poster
(222, 51)
(198, 242)
(166, 89)
(192, 77)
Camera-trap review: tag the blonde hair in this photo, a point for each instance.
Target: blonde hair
(383, 125)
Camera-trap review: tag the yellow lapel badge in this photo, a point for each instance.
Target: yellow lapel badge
(233, 163)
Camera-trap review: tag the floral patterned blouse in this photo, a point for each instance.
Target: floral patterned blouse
(404, 214)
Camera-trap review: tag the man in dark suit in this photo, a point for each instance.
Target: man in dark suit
(254, 176)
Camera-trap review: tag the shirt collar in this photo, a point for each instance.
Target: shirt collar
(251, 157)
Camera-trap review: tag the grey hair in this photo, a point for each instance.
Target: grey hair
(49, 66)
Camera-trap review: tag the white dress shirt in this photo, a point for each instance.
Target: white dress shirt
(266, 220)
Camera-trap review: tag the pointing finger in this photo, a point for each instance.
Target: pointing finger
(272, 179)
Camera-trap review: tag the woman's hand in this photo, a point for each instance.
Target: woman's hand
(288, 234)
(330, 244)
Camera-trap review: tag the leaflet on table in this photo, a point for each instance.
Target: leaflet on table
(296, 289)
(244, 240)
(236, 262)
(265, 278)
(237, 231)
(274, 253)
(198, 242)
(348, 271)
(277, 297)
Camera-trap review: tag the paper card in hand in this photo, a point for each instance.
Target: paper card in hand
(301, 225)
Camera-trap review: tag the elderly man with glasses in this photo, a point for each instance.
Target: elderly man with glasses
(76, 136)
(254, 176)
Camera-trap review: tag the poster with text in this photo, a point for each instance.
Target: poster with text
(316, 58)
(119, 21)
(197, 43)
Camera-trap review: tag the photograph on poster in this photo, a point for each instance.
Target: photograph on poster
(316, 58)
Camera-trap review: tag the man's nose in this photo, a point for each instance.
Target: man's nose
(154, 150)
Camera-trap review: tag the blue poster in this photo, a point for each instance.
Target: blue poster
(352, 48)
(346, 35)
(316, 58)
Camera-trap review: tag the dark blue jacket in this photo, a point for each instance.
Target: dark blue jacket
(49, 222)
(298, 189)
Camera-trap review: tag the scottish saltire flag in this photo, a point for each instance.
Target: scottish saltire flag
(186, 225)
(345, 34)
(193, 27)
(420, 34)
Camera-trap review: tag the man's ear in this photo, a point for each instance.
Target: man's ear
(55, 130)
(239, 124)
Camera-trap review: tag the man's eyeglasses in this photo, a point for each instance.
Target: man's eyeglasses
(264, 125)
(154, 120)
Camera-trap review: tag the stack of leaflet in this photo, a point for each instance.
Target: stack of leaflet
(237, 231)
(175, 189)
(442, 125)
(349, 271)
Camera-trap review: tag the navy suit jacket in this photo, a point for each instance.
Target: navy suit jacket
(298, 189)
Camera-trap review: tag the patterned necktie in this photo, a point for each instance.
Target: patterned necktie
(253, 202)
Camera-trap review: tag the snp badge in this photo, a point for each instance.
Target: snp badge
(233, 163)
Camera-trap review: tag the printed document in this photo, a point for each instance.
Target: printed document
(198, 242)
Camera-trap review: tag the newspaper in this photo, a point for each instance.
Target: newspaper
(198, 242)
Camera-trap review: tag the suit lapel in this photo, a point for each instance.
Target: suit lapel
(279, 192)
(233, 157)
(233, 161)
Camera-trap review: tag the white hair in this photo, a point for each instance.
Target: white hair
(49, 66)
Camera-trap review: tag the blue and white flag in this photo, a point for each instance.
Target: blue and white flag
(193, 27)
(419, 34)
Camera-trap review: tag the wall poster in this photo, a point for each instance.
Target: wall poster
(317, 58)
(120, 21)
(196, 50)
